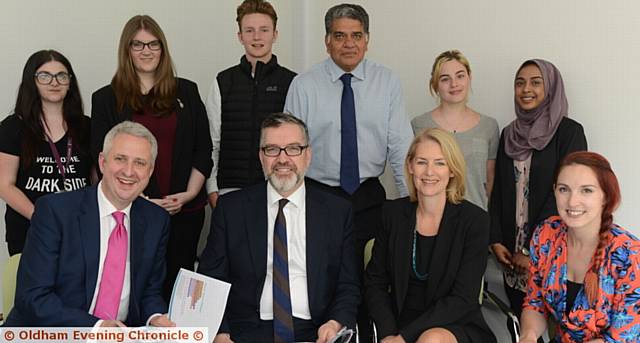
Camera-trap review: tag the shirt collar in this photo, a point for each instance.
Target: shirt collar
(335, 72)
(296, 198)
(105, 208)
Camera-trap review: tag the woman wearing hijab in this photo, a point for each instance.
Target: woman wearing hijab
(530, 149)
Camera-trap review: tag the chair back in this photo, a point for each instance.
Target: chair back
(368, 249)
(9, 274)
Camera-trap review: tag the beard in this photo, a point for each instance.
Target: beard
(284, 184)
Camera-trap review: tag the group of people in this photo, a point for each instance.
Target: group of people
(292, 246)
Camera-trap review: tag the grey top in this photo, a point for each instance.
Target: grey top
(479, 144)
(383, 129)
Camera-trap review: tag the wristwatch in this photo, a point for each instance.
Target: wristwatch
(525, 252)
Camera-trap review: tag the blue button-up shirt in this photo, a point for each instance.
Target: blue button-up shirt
(384, 131)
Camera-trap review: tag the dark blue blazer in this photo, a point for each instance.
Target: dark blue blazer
(59, 265)
(236, 252)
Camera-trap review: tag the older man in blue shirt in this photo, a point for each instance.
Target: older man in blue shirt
(356, 118)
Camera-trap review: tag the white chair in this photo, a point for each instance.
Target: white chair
(9, 283)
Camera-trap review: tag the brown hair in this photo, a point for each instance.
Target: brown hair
(452, 155)
(609, 184)
(255, 6)
(449, 55)
(126, 83)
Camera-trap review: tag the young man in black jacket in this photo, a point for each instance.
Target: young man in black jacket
(241, 97)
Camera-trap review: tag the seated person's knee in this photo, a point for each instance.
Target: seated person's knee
(437, 335)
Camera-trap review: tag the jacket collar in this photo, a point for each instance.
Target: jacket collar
(404, 248)
(262, 69)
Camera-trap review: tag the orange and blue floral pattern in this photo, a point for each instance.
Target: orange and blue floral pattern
(616, 314)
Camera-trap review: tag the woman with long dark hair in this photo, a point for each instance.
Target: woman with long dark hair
(146, 90)
(44, 144)
(585, 270)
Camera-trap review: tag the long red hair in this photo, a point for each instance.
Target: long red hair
(609, 184)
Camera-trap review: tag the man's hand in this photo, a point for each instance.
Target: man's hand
(162, 321)
(112, 324)
(328, 331)
(222, 338)
(213, 199)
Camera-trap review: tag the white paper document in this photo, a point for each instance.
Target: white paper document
(198, 301)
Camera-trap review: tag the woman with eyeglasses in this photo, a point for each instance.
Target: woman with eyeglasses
(44, 144)
(145, 89)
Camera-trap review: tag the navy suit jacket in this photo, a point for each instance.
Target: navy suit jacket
(59, 266)
(236, 252)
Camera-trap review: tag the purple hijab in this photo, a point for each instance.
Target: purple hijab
(534, 129)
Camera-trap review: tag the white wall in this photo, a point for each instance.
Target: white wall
(593, 43)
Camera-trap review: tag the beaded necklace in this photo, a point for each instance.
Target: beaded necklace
(421, 277)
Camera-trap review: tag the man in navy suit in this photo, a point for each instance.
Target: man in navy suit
(75, 270)
(285, 246)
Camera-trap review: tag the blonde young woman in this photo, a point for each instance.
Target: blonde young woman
(477, 134)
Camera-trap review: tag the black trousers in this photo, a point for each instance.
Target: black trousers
(262, 331)
(367, 221)
(182, 246)
(516, 298)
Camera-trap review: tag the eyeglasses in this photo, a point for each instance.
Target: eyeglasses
(289, 150)
(137, 45)
(45, 78)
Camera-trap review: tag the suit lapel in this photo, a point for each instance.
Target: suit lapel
(256, 231)
(89, 227)
(439, 258)
(403, 249)
(182, 125)
(137, 228)
(316, 242)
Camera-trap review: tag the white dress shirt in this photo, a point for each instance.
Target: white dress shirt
(214, 114)
(107, 224)
(294, 213)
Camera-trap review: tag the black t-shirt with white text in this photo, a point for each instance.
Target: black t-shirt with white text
(42, 176)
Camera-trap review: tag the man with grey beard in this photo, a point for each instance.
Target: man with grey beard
(285, 246)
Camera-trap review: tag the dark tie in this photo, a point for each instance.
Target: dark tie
(282, 313)
(349, 173)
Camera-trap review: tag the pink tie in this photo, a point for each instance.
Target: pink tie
(113, 270)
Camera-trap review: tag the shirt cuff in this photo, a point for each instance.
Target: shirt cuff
(212, 185)
(151, 317)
